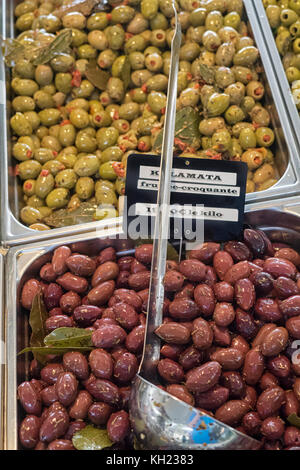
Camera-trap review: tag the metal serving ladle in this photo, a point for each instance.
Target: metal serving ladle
(159, 420)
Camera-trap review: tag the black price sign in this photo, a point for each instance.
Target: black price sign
(207, 195)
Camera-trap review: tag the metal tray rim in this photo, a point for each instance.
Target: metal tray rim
(35, 250)
(278, 68)
(15, 233)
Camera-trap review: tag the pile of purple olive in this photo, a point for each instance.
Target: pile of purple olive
(231, 315)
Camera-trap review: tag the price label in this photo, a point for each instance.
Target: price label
(206, 195)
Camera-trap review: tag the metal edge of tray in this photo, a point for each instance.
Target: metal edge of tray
(289, 184)
(278, 68)
(20, 259)
(15, 233)
(2, 350)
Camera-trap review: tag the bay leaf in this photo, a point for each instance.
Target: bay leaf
(37, 320)
(59, 45)
(172, 253)
(294, 420)
(86, 212)
(69, 337)
(43, 351)
(82, 6)
(91, 438)
(12, 51)
(186, 128)
(126, 72)
(96, 76)
(207, 73)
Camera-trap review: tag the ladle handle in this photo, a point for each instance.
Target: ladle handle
(151, 352)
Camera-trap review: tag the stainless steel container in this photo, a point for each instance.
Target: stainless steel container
(257, 9)
(15, 233)
(281, 222)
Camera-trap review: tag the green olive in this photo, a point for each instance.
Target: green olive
(120, 186)
(115, 89)
(43, 155)
(43, 100)
(129, 111)
(30, 215)
(115, 36)
(189, 97)
(85, 90)
(157, 102)
(63, 82)
(67, 135)
(79, 118)
(85, 142)
(29, 169)
(158, 82)
(23, 103)
(74, 19)
(221, 140)
(57, 198)
(20, 125)
(217, 104)
(106, 137)
(87, 165)
(106, 211)
(66, 179)
(253, 158)
(149, 8)
(97, 20)
(85, 187)
(44, 184)
(122, 14)
(106, 171)
(25, 21)
(113, 153)
(62, 63)
(24, 87)
(43, 75)
(68, 161)
(247, 56)
(29, 187)
(234, 114)
(50, 117)
(265, 137)
(106, 196)
(22, 151)
(54, 166)
(101, 118)
(247, 138)
(208, 127)
(104, 184)
(87, 51)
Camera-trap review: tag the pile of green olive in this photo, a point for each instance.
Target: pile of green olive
(284, 19)
(71, 140)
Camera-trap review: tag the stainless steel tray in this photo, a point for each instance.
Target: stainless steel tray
(277, 66)
(24, 262)
(15, 233)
